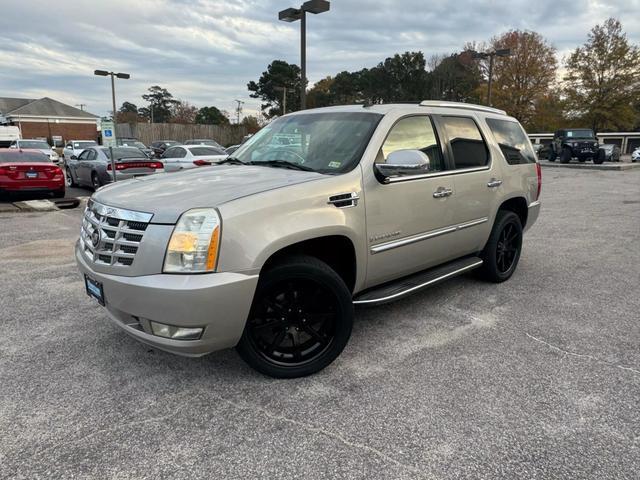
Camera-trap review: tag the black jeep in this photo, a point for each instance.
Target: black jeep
(580, 143)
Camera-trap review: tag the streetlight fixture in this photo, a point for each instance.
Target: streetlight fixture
(503, 52)
(123, 76)
(294, 14)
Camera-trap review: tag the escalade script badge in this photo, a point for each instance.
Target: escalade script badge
(384, 236)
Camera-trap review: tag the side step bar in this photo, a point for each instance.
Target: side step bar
(396, 289)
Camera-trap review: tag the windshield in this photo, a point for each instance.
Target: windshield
(580, 133)
(78, 145)
(323, 142)
(17, 157)
(124, 152)
(34, 144)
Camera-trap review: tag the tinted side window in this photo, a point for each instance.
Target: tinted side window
(414, 133)
(180, 153)
(91, 155)
(169, 153)
(83, 155)
(467, 144)
(512, 141)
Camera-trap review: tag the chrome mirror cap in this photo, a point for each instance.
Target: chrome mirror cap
(402, 163)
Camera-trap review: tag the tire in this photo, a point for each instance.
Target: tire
(599, 159)
(300, 319)
(95, 181)
(69, 178)
(500, 263)
(565, 155)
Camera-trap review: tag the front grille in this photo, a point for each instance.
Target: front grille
(112, 236)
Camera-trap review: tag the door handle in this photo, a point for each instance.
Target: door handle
(494, 182)
(442, 192)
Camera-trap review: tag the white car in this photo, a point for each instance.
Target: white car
(73, 148)
(183, 157)
(635, 156)
(40, 145)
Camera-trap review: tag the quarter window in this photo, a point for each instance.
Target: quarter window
(512, 141)
(467, 144)
(414, 133)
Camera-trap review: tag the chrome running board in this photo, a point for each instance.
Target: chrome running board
(396, 289)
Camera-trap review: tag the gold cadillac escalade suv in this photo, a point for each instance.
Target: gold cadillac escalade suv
(321, 210)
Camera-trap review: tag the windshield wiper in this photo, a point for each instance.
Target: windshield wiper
(232, 161)
(284, 164)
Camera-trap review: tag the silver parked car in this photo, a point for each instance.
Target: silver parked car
(75, 147)
(184, 157)
(612, 152)
(40, 145)
(271, 250)
(93, 167)
(204, 141)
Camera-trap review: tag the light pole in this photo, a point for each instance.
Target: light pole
(124, 76)
(504, 52)
(293, 14)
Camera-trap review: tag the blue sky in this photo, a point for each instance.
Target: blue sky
(205, 51)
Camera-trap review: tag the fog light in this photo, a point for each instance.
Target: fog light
(176, 333)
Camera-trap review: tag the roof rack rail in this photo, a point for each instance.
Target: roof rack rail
(469, 106)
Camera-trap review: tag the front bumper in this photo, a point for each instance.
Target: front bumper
(218, 302)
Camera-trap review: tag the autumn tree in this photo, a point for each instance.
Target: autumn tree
(522, 80)
(183, 112)
(602, 84)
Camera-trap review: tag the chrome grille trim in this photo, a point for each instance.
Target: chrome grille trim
(119, 241)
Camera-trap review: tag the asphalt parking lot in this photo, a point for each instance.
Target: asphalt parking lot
(538, 377)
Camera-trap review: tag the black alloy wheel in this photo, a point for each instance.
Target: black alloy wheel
(300, 320)
(502, 251)
(508, 247)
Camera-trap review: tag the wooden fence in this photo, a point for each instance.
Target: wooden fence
(150, 132)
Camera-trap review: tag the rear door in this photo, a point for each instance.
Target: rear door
(83, 168)
(476, 179)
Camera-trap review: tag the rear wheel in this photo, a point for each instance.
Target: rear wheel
(502, 252)
(95, 181)
(300, 320)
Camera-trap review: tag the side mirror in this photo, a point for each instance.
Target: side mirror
(74, 157)
(402, 163)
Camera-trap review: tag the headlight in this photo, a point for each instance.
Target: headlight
(194, 243)
(54, 156)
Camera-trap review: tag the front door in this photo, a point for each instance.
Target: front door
(409, 219)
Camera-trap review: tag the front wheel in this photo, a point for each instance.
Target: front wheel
(502, 252)
(300, 319)
(69, 178)
(565, 156)
(599, 159)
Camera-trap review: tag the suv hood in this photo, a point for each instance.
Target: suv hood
(168, 195)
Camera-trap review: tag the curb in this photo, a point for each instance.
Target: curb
(617, 166)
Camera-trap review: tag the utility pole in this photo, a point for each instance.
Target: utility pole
(81, 105)
(504, 52)
(238, 110)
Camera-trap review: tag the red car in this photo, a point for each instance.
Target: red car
(29, 171)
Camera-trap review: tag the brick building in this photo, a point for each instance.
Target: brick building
(47, 118)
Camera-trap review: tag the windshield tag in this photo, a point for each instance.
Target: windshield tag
(334, 164)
